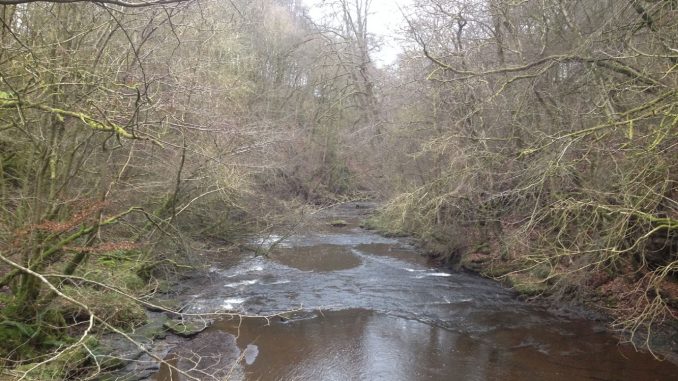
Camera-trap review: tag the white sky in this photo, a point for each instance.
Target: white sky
(384, 20)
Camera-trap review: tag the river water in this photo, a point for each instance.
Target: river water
(358, 306)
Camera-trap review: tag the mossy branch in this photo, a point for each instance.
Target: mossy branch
(645, 111)
(7, 103)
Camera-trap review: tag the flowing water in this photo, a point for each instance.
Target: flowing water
(364, 307)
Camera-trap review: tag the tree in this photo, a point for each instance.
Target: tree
(121, 133)
(551, 124)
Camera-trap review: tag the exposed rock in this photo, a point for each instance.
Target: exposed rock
(123, 360)
(155, 329)
(187, 328)
(215, 353)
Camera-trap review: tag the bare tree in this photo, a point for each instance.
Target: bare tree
(554, 123)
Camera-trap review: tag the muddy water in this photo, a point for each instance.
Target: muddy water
(365, 307)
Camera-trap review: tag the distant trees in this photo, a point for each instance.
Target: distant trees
(318, 81)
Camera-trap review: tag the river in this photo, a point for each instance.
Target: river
(365, 307)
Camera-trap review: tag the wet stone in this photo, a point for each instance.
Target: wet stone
(213, 355)
(186, 328)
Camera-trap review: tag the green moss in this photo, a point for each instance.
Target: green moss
(381, 225)
(14, 338)
(474, 262)
(541, 271)
(369, 223)
(186, 328)
(163, 286)
(482, 248)
(119, 269)
(118, 310)
(132, 281)
(527, 285)
(66, 366)
(155, 329)
(24, 340)
(504, 253)
(497, 268)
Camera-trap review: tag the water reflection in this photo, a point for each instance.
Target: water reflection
(319, 258)
(393, 317)
(364, 345)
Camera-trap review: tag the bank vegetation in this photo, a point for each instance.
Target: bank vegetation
(532, 141)
(542, 146)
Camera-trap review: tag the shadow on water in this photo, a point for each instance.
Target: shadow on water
(376, 310)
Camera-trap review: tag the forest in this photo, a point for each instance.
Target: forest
(534, 142)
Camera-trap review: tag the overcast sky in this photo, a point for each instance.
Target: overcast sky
(384, 21)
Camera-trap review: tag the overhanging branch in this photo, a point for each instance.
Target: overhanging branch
(128, 4)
